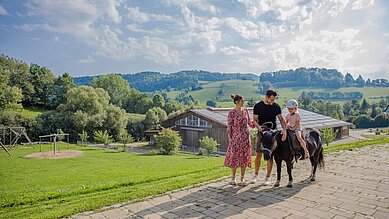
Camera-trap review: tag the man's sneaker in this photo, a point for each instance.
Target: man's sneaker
(254, 179)
(266, 182)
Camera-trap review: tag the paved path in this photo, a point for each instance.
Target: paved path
(355, 184)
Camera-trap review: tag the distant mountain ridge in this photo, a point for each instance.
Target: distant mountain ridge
(153, 81)
(149, 81)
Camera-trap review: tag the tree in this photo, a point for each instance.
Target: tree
(373, 111)
(154, 117)
(362, 121)
(173, 106)
(86, 108)
(208, 144)
(158, 100)
(137, 102)
(168, 141)
(359, 81)
(117, 88)
(102, 137)
(364, 106)
(62, 85)
(84, 137)
(383, 103)
(19, 76)
(211, 103)
(349, 80)
(43, 81)
(382, 120)
(60, 133)
(136, 126)
(125, 138)
(328, 135)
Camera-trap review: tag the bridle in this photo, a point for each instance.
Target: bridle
(266, 128)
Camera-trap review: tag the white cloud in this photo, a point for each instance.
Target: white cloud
(362, 4)
(203, 5)
(135, 14)
(135, 28)
(88, 60)
(138, 16)
(234, 50)
(3, 11)
(250, 30)
(327, 48)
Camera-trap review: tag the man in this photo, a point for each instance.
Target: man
(266, 111)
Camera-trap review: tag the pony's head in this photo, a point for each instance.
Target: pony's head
(268, 143)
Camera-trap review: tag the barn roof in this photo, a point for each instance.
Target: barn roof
(308, 119)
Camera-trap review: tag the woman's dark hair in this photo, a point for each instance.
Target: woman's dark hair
(270, 93)
(236, 97)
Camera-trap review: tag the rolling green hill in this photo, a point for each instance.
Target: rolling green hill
(249, 88)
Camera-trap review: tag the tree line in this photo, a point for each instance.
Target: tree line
(360, 113)
(156, 81)
(337, 95)
(108, 104)
(320, 77)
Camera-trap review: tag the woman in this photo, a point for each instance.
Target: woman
(239, 146)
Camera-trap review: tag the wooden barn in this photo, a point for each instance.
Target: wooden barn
(196, 123)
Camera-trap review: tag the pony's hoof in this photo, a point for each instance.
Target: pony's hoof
(313, 179)
(290, 184)
(277, 184)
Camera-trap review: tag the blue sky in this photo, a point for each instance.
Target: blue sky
(90, 37)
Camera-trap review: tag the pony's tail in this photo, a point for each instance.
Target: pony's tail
(321, 160)
(321, 157)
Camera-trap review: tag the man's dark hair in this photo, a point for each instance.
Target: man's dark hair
(270, 93)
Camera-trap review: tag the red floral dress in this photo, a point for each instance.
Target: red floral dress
(239, 149)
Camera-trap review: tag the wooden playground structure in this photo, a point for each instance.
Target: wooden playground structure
(9, 137)
(53, 138)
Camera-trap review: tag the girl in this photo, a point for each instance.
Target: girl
(239, 146)
(293, 123)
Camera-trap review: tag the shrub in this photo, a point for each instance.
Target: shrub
(102, 137)
(208, 144)
(125, 139)
(328, 135)
(168, 141)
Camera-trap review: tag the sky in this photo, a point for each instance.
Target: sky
(93, 37)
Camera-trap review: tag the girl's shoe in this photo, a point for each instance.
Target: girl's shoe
(243, 182)
(232, 182)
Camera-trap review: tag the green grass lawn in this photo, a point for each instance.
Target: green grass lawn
(31, 112)
(358, 144)
(248, 89)
(43, 188)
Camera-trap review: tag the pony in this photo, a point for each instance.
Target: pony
(274, 147)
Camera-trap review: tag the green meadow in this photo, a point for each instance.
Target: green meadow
(249, 88)
(52, 188)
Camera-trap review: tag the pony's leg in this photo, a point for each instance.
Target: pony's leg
(312, 159)
(278, 163)
(315, 160)
(289, 169)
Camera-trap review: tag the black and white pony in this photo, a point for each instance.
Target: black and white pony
(273, 146)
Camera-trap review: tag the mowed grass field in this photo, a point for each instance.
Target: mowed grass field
(249, 88)
(53, 188)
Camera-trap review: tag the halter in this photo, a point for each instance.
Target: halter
(264, 126)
